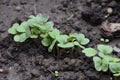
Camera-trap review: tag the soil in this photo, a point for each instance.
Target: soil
(31, 61)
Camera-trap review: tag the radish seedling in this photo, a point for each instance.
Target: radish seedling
(40, 25)
(104, 50)
(50, 39)
(101, 64)
(81, 39)
(56, 73)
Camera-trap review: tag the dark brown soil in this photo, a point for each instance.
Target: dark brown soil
(31, 61)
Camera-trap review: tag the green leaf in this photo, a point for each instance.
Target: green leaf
(28, 33)
(73, 34)
(23, 27)
(81, 39)
(85, 41)
(97, 63)
(33, 23)
(50, 25)
(20, 38)
(115, 59)
(44, 35)
(41, 18)
(114, 67)
(101, 54)
(101, 64)
(89, 52)
(72, 37)
(47, 27)
(66, 45)
(52, 46)
(117, 74)
(31, 16)
(80, 36)
(13, 30)
(104, 48)
(35, 31)
(111, 59)
(54, 33)
(105, 63)
(38, 20)
(46, 41)
(76, 43)
(34, 36)
(62, 38)
(16, 38)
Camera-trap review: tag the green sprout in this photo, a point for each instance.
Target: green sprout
(56, 73)
(104, 40)
(101, 64)
(104, 50)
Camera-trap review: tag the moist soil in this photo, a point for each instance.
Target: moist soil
(31, 61)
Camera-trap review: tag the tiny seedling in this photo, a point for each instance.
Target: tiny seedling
(101, 64)
(56, 73)
(104, 40)
(104, 50)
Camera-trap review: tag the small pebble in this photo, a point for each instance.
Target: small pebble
(18, 8)
(118, 45)
(35, 72)
(1, 70)
(72, 62)
(109, 10)
(116, 49)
